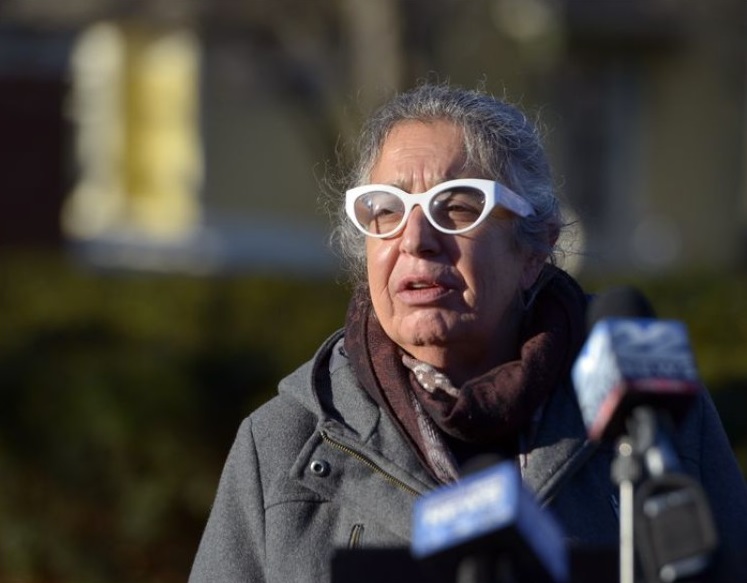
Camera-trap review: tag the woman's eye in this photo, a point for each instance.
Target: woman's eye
(459, 207)
(460, 202)
(381, 210)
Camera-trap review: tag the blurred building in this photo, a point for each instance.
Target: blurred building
(653, 115)
(195, 136)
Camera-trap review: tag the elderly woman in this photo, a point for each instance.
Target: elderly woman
(458, 341)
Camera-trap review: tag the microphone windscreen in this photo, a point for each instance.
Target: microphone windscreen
(619, 302)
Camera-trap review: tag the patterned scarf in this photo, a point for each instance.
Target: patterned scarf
(444, 423)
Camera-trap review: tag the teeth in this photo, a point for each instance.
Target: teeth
(420, 285)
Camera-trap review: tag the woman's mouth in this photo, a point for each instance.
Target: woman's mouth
(422, 291)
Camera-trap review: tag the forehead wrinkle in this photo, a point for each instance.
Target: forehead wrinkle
(413, 163)
(408, 175)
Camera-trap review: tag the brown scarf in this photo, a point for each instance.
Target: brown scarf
(487, 412)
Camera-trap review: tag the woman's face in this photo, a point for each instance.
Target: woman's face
(450, 300)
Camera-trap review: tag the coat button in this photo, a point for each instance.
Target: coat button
(319, 468)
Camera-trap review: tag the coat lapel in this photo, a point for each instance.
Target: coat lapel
(559, 448)
(365, 459)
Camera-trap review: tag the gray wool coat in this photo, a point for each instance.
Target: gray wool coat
(320, 466)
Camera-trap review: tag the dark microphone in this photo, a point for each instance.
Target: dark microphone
(630, 358)
(488, 527)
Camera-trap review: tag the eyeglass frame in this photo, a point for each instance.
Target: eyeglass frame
(496, 194)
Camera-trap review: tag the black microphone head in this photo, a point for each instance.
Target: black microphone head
(480, 462)
(619, 302)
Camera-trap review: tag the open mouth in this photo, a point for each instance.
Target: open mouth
(421, 285)
(422, 291)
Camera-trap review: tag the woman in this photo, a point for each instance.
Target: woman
(458, 341)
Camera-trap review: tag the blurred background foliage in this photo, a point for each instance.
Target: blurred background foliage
(122, 394)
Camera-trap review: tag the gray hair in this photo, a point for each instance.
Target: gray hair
(500, 143)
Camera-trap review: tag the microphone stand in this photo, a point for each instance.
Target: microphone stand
(626, 471)
(664, 515)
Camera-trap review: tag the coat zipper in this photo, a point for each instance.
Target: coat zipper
(363, 459)
(355, 536)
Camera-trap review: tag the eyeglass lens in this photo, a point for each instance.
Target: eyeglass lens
(381, 213)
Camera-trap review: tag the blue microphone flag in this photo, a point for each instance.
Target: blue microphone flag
(491, 512)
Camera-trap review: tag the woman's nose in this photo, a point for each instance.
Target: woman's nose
(418, 236)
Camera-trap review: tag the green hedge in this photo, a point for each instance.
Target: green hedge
(120, 398)
(121, 395)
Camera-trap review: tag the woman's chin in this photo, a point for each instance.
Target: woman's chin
(432, 330)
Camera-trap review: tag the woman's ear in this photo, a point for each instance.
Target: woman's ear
(535, 260)
(532, 268)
